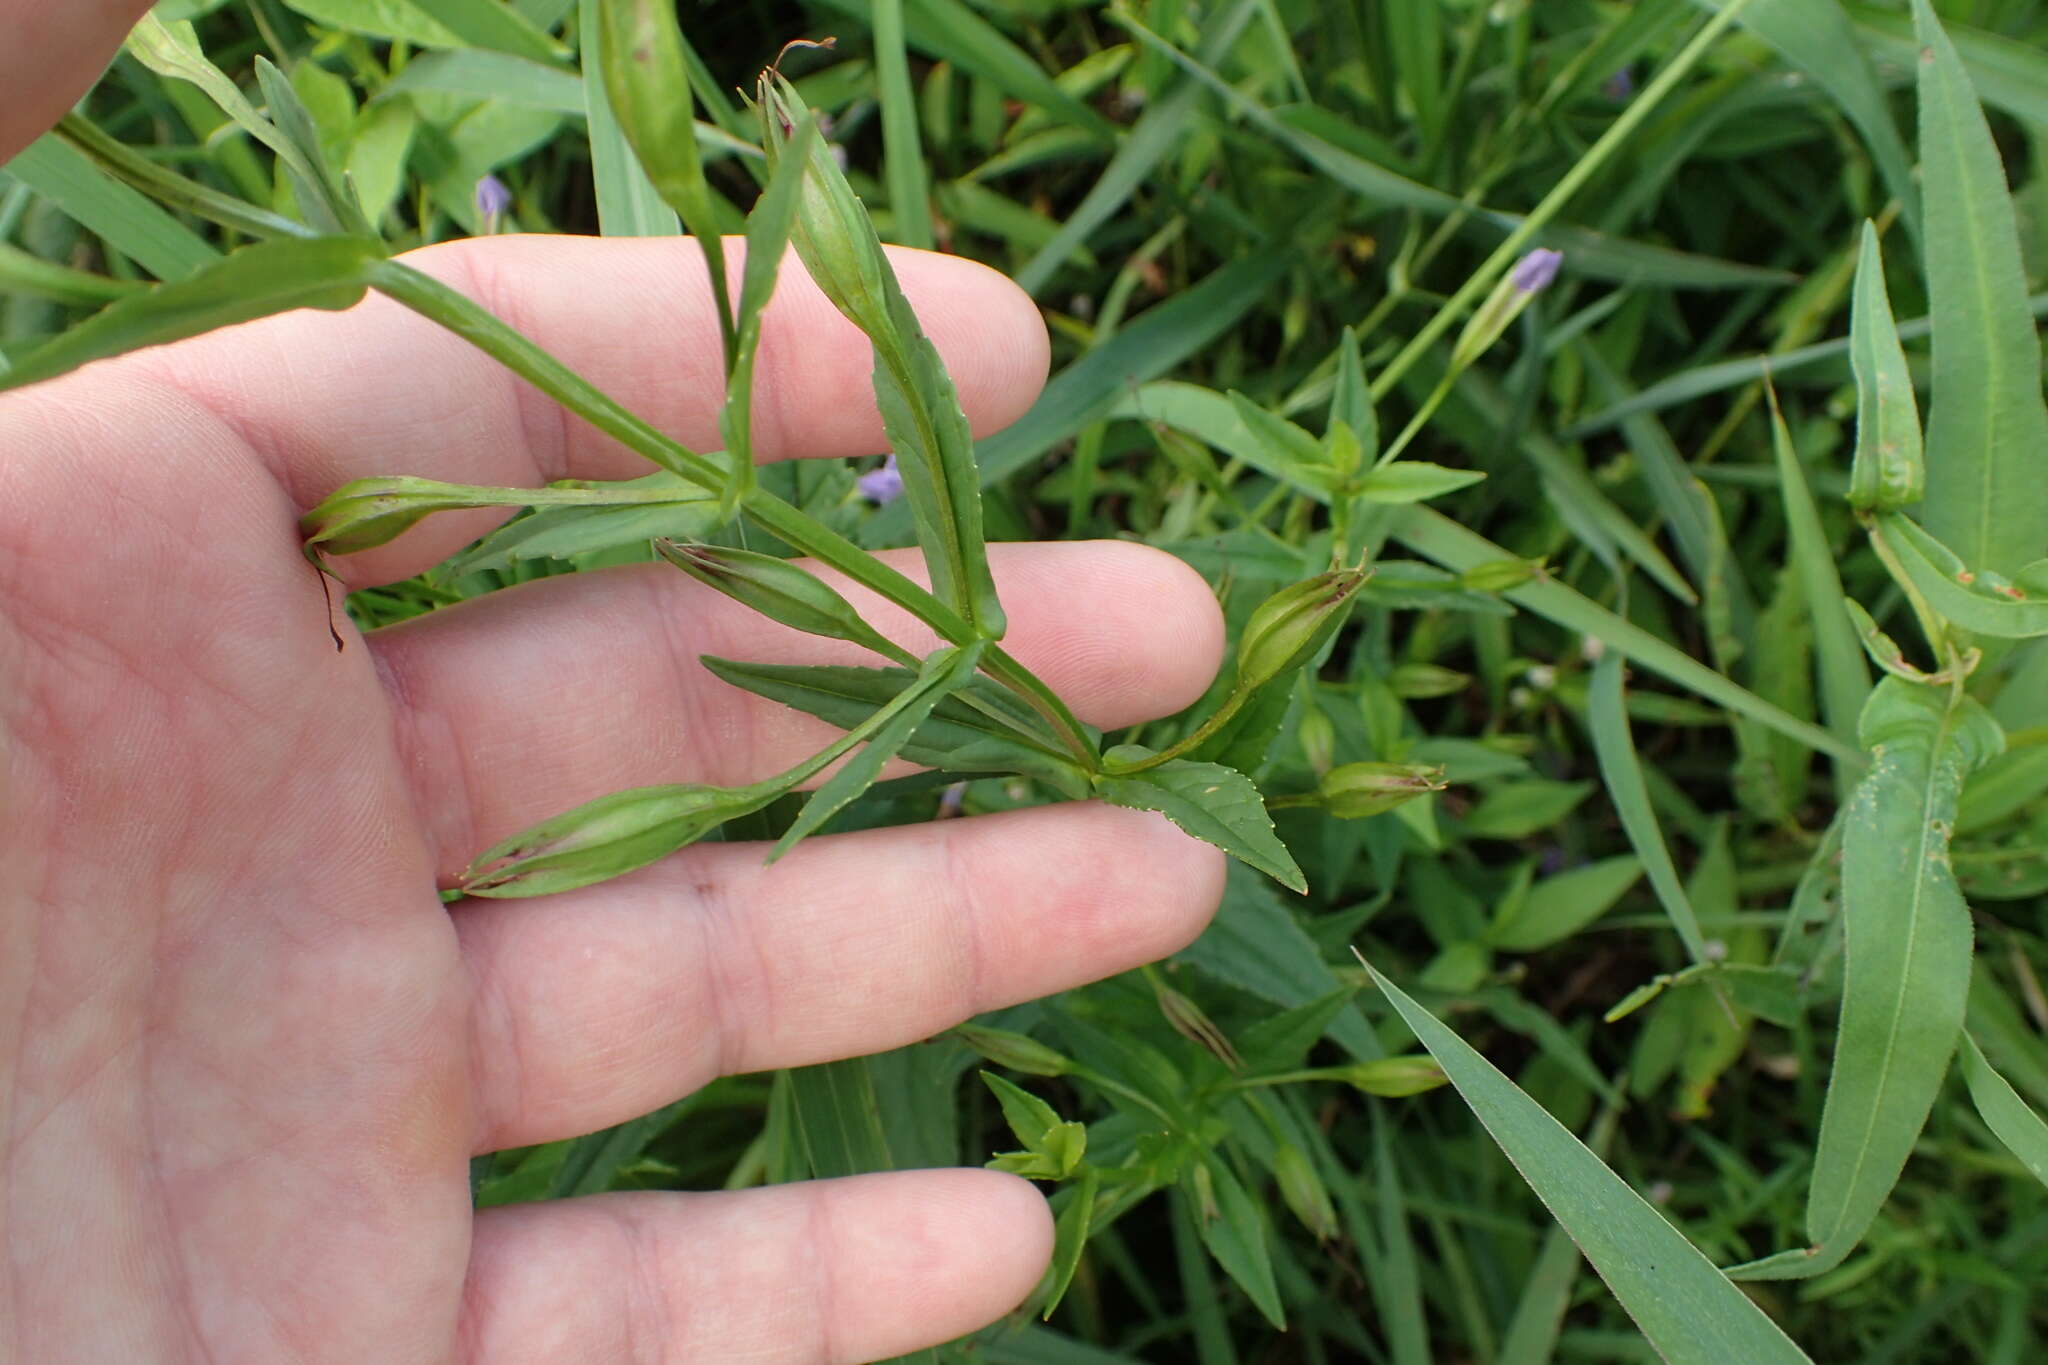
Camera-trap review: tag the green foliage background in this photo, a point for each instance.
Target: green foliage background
(1203, 197)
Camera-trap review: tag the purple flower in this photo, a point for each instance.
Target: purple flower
(492, 198)
(1620, 86)
(1534, 272)
(882, 486)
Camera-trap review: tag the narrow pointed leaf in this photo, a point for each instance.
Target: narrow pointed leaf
(1622, 770)
(2004, 1112)
(254, 282)
(885, 735)
(1966, 594)
(1216, 804)
(1689, 1310)
(1890, 465)
(628, 204)
(111, 210)
(1844, 681)
(1987, 422)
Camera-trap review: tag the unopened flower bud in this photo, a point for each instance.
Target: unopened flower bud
(1318, 736)
(1304, 1191)
(1287, 629)
(777, 589)
(1529, 277)
(1500, 575)
(370, 512)
(1357, 790)
(1395, 1077)
(610, 836)
(1013, 1050)
(1189, 1020)
(1418, 681)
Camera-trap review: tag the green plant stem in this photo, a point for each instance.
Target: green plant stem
(172, 189)
(1574, 180)
(1229, 708)
(473, 323)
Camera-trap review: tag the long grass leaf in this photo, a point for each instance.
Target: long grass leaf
(903, 165)
(2022, 1130)
(1689, 1311)
(628, 205)
(1622, 771)
(1987, 422)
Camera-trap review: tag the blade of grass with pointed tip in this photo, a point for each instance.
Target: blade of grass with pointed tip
(1436, 537)
(903, 165)
(1817, 37)
(1906, 974)
(1690, 1312)
(1987, 422)
(110, 210)
(2021, 1129)
(254, 282)
(23, 272)
(628, 205)
(1158, 132)
(1844, 678)
(888, 731)
(1531, 1335)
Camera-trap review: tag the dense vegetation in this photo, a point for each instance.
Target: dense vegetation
(1603, 637)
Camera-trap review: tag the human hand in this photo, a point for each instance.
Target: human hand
(245, 1051)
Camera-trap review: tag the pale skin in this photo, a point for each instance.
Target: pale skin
(245, 1051)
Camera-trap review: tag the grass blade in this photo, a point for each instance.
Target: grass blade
(1689, 1310)
(1435, 536)
(493, 26)
(2004, 1112)
(902, 154)
(1987, 423)
(1622, 771)
(1906, 978)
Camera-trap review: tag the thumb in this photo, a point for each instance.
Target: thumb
(53, 54)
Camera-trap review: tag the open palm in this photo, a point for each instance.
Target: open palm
(245, 1052)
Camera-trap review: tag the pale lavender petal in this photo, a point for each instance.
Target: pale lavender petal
(1621, 86)
(1534, 272)
(492, 197)
(881, 486)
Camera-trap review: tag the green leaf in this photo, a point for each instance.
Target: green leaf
(902, 154)
(1414, 481)
(483, 74)
(768, 229)
(24, 273)
(1234, 1231)
(1216, 804)
(1559, 906)
(1690, 1312)
(2004, 1112)
(1890, 465)
(1622, 770)
(493, 25)
(885, 733)
(979, 729)
(628, 204)
(112, 211)
(1972, 598)
(1516, 810)
(1906, 979)
(254, 282)
(1070, 1238)
(1844, 681)
(1435, 536)
(1987, 423)
(326, 201)
(839, 1119)
(1029, 1117)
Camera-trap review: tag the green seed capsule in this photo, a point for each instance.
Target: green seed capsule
(779, 590)
(1014, 1050)
(1500, 575)
(1304, 1191)
(1287, 629)
(1421, 681)
(1394, 1077)
(606, 838)
(1357, 790)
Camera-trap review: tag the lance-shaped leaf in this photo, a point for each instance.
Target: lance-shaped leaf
(1987, 423)
(882, 738)
(1974, 598)
(920, 409)
(1622, 770)
(254, 282)
(1216, 804)
(2007, 1115)
(1689, 1311)
(981, 728)
(1906, 974)
(647, 83)
(1890, 467)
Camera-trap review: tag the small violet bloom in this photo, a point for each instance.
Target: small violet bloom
(492, 199)
(882, 486)
(1621, 86)
(1534, 272)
